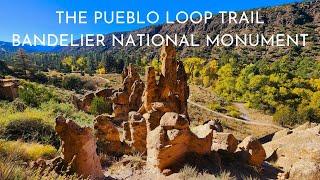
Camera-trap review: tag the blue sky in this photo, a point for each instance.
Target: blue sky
(39, 17)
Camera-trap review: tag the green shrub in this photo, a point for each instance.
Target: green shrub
(285, 115)
(33, 94)
(307, 113)
(31, 130)
(19, 105)
(29, 125)
(100, 106)
(58, 108)
(216, 106)
(69, 111)
(40, 78)
(55, 80)
(90, 85)
(72, 83)
(233, 111)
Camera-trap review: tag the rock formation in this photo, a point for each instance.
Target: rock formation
(171, 93)
(153, 120)
(172, 140)
(9, 89)
(109, 139)
(298, 152)
(169, 137)
(129, 98)
(251, 151)
(79, 148)
(156, 121)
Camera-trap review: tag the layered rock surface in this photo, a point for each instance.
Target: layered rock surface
(298, 152)
(129, 98)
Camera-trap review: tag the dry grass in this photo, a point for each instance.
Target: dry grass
(191, 173)
(26, 151)
(10, 169)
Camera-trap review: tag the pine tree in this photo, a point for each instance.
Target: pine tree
(22, 62)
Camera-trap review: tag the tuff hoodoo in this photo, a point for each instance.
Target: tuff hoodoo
(153, 120)
(79, 148)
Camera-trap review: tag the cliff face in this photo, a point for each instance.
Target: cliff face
(289, 19)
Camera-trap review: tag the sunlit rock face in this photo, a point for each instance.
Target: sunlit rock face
(79, 148)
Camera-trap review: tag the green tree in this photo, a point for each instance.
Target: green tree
(22, 61)
(67, 62)
(81, 63)
(193, 66)
(156, 64)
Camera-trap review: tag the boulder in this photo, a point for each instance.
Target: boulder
(106, 93)
(250, 150)
(172, 120)
(224, 142)
(9, 89)
(281, 134)
(304, 126)
(307, 170)
(288, 151)
(172, 140)
(79, 148)
(206, 128)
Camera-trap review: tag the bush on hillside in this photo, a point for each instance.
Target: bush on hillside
(72, 83)
(33, 94)
(31, 130)
(100, 106)
(285, 116)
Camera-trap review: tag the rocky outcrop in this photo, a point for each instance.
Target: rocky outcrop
(129, 98)
(9, 89)
(169, 94)
(124, 118)
(251, 151)
(79, 148)
(224, 142)
(83, 102)
(109, 138)
(298, 153)
(172, 140)
(118, 139)
(152, 119)
(138, 133)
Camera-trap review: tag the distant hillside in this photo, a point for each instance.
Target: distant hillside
(289, 19)
(6, 47)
